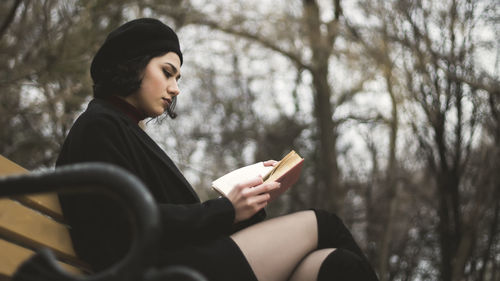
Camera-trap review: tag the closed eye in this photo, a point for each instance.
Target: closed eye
(167, 74)
(171, 70)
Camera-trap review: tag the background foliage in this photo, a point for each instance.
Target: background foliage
(394, 104)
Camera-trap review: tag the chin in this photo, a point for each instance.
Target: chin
(156, 113)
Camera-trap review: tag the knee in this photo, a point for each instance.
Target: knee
(343, 265)
(323, 215)
(330, 229)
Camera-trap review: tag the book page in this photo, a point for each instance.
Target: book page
(227, 182)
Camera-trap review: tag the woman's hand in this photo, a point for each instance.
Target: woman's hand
(250, 197)
(270, 163)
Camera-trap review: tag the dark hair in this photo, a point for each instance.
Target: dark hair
(125, 78)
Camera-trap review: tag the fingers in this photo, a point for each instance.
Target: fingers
(260, 189)
(256, 186)
(255, 203)
(258, 200)
(250, 183)
(250, 197)
(262, 205)
(270, 163)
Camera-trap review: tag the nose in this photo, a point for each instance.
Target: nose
(173, 88)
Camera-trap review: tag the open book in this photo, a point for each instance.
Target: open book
(287, 172)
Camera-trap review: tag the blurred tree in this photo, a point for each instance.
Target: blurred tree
(45, 52)
(382, 198)
(306, 37)
(439, 48)
(265, 78)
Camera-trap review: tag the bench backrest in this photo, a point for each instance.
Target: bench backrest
(30, 222)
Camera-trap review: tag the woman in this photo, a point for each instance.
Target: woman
(135, 74)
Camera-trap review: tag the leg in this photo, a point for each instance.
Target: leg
(332, 265)
(309, 267)
(344, 265)
(332, 233)
(273, 248)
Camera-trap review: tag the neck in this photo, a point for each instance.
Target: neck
(131, 111)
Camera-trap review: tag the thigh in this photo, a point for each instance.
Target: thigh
(308, 268)
(274, 247)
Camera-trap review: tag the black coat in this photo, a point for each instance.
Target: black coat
(100, 229)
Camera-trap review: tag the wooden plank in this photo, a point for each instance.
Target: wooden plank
(28, 227)
(13, 255)
(48, 204)
(45, 203)
(8, 167)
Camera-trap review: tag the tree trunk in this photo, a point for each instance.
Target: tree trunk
(449, 231)
(384, 249)
(321, 50)
(328, 139)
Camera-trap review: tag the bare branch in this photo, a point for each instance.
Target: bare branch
(349, 94)
(363, 119)
(487, 83)
(9, 18)
(332, 26)
(197, 18)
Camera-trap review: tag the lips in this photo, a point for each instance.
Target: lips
(166, 101)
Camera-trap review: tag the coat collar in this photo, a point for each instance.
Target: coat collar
(153, 146)
(147, 141)
(124, 107)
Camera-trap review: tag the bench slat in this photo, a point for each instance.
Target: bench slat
(8, 167)
(46, 203)
(20, 223)
(13, 255)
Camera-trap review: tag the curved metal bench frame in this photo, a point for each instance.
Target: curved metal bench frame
(124, 187)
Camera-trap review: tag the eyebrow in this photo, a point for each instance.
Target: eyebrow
(175, 69)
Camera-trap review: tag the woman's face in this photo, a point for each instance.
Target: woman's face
(158, 86)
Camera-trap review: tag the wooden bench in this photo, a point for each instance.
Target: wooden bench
(29, 222)
(31, 218)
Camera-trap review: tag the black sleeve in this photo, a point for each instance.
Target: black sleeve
(197, 222)
(207, 219)
(258, 217)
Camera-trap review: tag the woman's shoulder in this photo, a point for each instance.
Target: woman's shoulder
(101, 108)
(100, 111)
(98, 118)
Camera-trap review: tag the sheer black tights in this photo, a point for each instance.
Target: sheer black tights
(291, 248)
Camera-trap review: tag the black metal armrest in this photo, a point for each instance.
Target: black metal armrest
(124, 186)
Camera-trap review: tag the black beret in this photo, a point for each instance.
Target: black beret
(133, 39)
